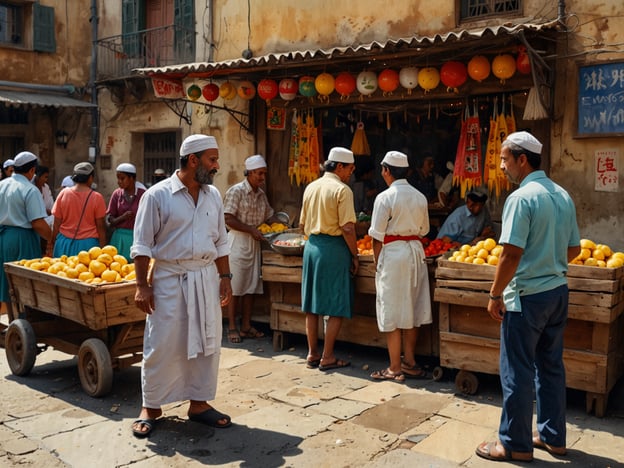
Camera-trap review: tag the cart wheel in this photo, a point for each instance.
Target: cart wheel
(438, 373)
(466, 382)
(95, 367)
(21, 347)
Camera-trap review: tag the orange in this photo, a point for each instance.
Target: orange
(489, 244)
(85, 276)
(84, 257)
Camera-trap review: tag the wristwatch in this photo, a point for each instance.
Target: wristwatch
(226, 275)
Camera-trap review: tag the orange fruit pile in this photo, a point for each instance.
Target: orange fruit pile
(365, 245)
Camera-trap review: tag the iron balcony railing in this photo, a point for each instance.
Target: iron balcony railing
(118, 55)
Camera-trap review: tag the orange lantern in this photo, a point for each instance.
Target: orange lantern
(227, 91)
(503, 67)
(344, 84)
(388, 81)
(478, 68)
(246, 90)
(288, 89)
(453, 74)
(324, 84)
(210, 92)
(523, 62)
(408, 77)
(193, 92)
(267, 90)
(428, 78)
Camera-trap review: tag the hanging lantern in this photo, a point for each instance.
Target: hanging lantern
(345, 85)
(428, 78)
(388, 81)
(227, 91)
(306, 86)
(478, 68)
(193, 92)
(246, 90)
(210, 92)
(523, 62)
(408, 77)
(288, 89)
(503, 67)
(324, 85)
(366, 83)
(267, 90)
(453, 74)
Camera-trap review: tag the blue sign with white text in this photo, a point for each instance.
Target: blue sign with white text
(601, 99)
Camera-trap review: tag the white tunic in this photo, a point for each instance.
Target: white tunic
(182, 340)
(245, 263)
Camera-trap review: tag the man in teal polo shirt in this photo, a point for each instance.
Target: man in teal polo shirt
(530, 297)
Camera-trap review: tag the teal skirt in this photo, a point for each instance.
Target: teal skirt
(16, 244)
(66, 246)
(122, 239)
(326, 283)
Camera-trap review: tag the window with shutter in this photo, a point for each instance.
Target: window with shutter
(477, 9)
(11, 24)
(44, 38)
(184, 18)
(132, 21)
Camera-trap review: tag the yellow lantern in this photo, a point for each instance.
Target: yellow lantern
(324, 84)
(227, 91)
(428, 78)
(503, 67)
(246, 90)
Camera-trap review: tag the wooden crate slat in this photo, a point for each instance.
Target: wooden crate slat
(281, 274)
(120, 307)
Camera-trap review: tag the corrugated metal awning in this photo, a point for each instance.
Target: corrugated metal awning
(25, 98)
(409, 47)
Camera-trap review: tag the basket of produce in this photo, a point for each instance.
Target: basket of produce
(289, 243)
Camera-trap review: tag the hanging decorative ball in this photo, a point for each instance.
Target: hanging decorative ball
(479, 68)
(388, 81)
(267, 90)
(227, 91)
(324, 85)
(453, 74)
(345, 85)
(503, 67)
(288, 89)
(210, 92)
(523, 62)
(246, 90)
(428, 78)
(306, 86)
(366, 83)
(193, 92)
(408, 77)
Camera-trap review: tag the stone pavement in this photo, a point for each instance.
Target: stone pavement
(283, 414)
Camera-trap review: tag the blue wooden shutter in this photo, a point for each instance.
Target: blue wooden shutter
(184, 20)
(132, 21)
(44, 39)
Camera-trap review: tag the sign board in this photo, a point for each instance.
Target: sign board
(601, 100)
(606, 166)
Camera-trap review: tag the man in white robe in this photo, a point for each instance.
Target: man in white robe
(181, 226)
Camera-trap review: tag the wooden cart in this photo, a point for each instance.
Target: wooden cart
(593, 341)
(98, 323)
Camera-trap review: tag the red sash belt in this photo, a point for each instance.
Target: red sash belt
(390, 238)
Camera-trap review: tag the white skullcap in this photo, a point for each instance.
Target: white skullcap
(525, 140)
(341, 155)
(126, 167)
(83, 168)
(195, 144)
(24, 158)
(255, 162)
(159, 172)
(396, 159)
(67, 182)
(8, 163)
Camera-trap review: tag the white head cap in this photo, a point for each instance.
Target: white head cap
(195, 144)
(8, 163)
(341, 155)
(159, 172)
(255, 162)
(67, 182)
(24, 158)
(525, 140)
(126, 167)
(396, 159)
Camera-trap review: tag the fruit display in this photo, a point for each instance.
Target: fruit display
(96, 266)
(598, 255)
(365, 245)
(432, 247)
(484, 252)
(272, 228)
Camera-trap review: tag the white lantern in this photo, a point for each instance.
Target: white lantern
(366, 83)
(408, 77)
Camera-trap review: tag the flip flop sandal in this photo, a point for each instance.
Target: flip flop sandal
(234, 337)
(387, 374)
(485, 450)
(211, 417)
(553, 450)
(149, 424)
(337, 364)
(313, 363)
(413, 372)
(251, 333)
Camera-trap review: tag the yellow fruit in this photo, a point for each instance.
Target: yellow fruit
(72, 273)
(615, 262)
(109, 276)
(115, 266)
(110, 250)
(489, 244)
(96, 280)
(591, 261)
(619, 255)
(598, 254)
(585, 254)
(46, 259)
(118, 278)
(472, 251)
(497, 250)
(130, 276)
(96, 267)
(95, 252)
(127, 269)
(465, 248)
(105, 258)
(601, 263)
(452, 259)
(606, 250)
(45, 265)
(84, 257)
(469, 259)
(36, 266)
(120, 259)
(479, 245)
(483, 253)
(492, 260)
(587, 244)
(478, 261)
(86, 276)
(63, 258)
(81, 267)
(62, 274)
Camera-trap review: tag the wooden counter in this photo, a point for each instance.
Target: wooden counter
(282, 275)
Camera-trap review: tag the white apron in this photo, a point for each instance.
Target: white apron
(245, 263)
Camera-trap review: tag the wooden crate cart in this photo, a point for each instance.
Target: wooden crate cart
(593, 341)
(98, 323)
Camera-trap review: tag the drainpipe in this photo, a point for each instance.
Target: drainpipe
(66, 89)
(210, 30)
(95, 116)
(561, 12)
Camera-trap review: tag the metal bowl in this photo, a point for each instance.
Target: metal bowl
(286, 249)
(283, 217)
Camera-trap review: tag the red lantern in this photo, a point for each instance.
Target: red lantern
(453, 75)
(267, 89)
(345, 84)
(479, 68)
(210, 92)
(388, 81)
(523, 62)
(288, 89)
